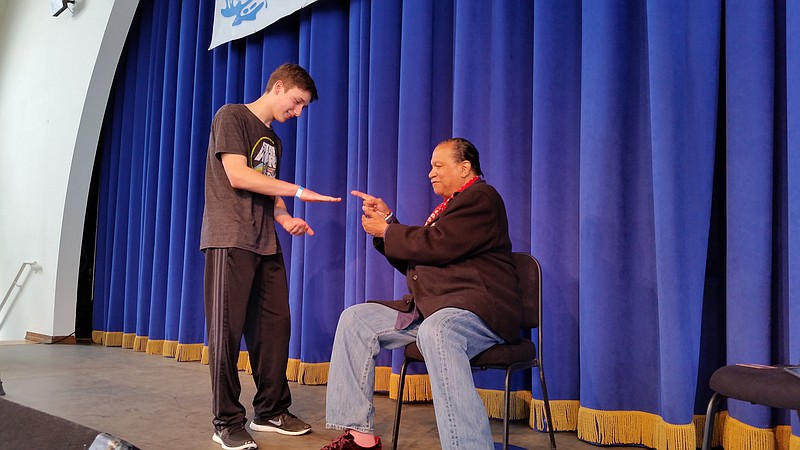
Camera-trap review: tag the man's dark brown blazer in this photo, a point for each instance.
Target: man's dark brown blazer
(462, 260)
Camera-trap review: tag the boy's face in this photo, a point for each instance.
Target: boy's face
(289, 103)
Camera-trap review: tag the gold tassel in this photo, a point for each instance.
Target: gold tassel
(634, 428)
(783, 436)
(113, 339)
(738, 435)
(417, 388)
(675, 436)
(155, 347)
(313, 373)
(244, 362)
(565, 415)
(699, 423)
(719, 428)
(189, 352)
(97, 336)
(794, 442)
(383, 379)
(140, 344)
(292, 369)
(170, 348)
(127, 340)
(520, 407)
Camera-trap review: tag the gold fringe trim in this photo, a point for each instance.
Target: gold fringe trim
(383, 380)
(783, 435)
(127, 340)
(565, 414)
(140, 344)
(97, 336)
(699, 423)
(738, 435)
(292, 369)
(313, 373)
(155, 347)
(417, 388)
(794, 442)
(204, 358)
(170, 349)
(244, 362)
(634, 428)
(189, 352)
(113, 339)
(520, 407)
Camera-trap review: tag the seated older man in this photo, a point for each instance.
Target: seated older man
(463, 299)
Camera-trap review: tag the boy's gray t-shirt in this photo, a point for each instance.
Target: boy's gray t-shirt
(234, 217)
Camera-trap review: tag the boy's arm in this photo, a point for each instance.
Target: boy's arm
(241, 176)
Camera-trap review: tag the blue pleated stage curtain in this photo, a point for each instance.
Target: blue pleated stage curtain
(648, 154)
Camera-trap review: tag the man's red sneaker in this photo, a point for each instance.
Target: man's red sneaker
(346, 442)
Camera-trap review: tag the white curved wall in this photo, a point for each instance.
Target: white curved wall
(55, 77)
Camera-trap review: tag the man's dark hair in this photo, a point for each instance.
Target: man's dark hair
(464, 150)
(293, 75)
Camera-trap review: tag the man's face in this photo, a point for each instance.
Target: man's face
(289, 102)
(446, 175)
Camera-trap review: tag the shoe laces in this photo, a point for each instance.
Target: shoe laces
(341, 443)
(287, 414)
(236, 429)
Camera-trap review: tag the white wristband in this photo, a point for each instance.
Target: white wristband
(299, 192)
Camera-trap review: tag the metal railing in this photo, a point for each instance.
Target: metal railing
(34, 267)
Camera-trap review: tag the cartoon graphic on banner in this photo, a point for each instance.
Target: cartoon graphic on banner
(234, 19)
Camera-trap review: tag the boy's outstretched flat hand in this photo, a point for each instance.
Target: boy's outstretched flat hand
(307, 195)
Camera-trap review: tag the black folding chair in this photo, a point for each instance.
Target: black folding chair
(508, 357)
(762, 385)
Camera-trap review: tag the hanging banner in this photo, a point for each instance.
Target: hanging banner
(234, 19)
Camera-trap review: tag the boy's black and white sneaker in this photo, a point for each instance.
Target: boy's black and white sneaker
(234, 438)
(284, 423)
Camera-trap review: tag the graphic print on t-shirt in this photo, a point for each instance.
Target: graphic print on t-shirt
(264, 157)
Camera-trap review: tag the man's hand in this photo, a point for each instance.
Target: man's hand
(374, 225)
(297, 227)
(372, 205)
(375, 212)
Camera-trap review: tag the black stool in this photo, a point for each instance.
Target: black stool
(763, 385)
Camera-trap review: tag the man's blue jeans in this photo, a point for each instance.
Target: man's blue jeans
(448, 339)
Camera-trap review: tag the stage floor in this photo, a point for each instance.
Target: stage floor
(158, 403)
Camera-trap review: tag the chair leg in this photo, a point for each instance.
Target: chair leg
(398, 408)
(506, 407)
(711, 413)
(547, 413)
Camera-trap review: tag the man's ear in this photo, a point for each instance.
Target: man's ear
(466, 167)
(277, 86)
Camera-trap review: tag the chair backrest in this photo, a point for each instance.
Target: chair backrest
(530, 284)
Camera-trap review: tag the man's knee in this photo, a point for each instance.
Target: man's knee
(351, 316)
(348, 317)
(430, 336)
(440, 332)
